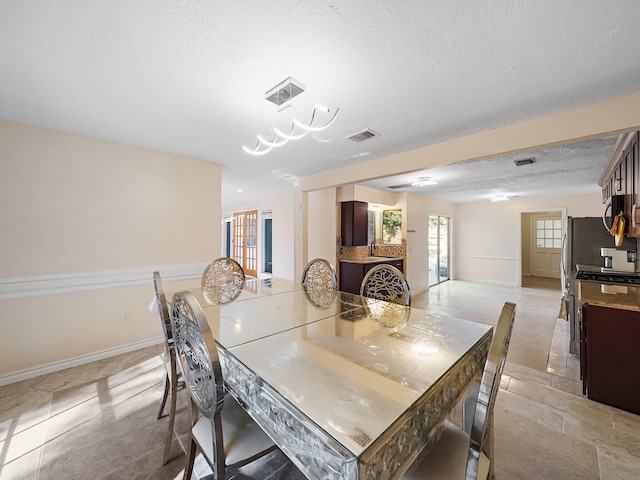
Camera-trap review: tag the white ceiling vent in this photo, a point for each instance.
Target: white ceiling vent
(524, 161)
(362, 136)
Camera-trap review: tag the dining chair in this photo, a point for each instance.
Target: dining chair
(221, 429)
(320, 273)
(173, 377)
(320, 297)
(386, 282)
(456, 455)
(223, 280)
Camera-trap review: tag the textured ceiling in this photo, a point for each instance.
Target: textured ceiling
(569, 169)
(189, 76)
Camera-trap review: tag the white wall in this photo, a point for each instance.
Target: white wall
(487, 235)
(85, 223)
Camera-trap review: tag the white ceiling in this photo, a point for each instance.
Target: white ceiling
(189, 77)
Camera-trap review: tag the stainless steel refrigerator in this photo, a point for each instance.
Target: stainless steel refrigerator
(584, 238)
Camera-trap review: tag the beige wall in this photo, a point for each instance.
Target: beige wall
(90, 216)
(323, 231)
(486, 238)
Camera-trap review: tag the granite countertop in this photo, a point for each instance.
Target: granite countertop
(372, 259)
(612, 295)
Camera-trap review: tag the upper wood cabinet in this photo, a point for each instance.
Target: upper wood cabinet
(632, 201)
(621, 176)
(354, 226)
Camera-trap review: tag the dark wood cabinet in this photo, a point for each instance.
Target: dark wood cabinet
(611, 356)
(354, 223)
(632, 199)
(352, 274)
(621, 179)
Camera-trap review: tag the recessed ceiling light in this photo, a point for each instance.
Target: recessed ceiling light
(499, 198)
(423, 181)
(239, 190)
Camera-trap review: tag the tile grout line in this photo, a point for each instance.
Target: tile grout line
(44, 439)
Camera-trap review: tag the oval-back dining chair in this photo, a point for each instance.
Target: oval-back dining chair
(222, 280)
(173, 376)
(320, 273)
(456, 455)
(386, 282)
(221, 429)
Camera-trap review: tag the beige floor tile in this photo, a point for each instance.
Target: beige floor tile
(25, 467)
(108, 440)
(596, 431)
(534, 411)
(22, 406)
(526, 373)
(614, 466)
(526, 450)
(566, 385)
(149, 466)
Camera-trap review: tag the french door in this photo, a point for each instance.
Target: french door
(438, 249)
(245, 241)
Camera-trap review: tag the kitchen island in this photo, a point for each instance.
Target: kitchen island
(610, 343)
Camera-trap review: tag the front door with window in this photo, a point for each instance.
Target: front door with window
(546, 246)
(245, 241)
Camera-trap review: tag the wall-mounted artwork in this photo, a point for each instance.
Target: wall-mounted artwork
(392, 227)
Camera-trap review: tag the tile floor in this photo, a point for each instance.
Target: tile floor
(98, 421)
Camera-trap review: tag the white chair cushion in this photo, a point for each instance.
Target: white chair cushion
(447, 460)
(243, 438)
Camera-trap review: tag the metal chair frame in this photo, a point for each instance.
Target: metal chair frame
(173, 378)
(386, 282)
(481, 435)
(222, 280)
(320, 273)
(197, 354)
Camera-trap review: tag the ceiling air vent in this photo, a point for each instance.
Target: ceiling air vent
(362, 136)
(524, 161)
(404, 185)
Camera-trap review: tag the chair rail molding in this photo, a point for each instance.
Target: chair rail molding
(71, 282)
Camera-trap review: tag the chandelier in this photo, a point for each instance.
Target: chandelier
(281, 95)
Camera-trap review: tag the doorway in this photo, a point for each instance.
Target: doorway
(245, 241)
(267, 229)
(541, 248)
(227, 236)
(439, 227)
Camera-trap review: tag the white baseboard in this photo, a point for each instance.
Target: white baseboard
(27, 373)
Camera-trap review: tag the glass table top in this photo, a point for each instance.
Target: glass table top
(236, 323)
(353, 377)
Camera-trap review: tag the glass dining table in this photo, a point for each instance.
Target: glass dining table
(348, 387)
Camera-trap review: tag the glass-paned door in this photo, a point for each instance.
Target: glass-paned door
(547, 247)
(438, 249)
(245, 241)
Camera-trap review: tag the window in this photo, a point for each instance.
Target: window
(549, 233)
